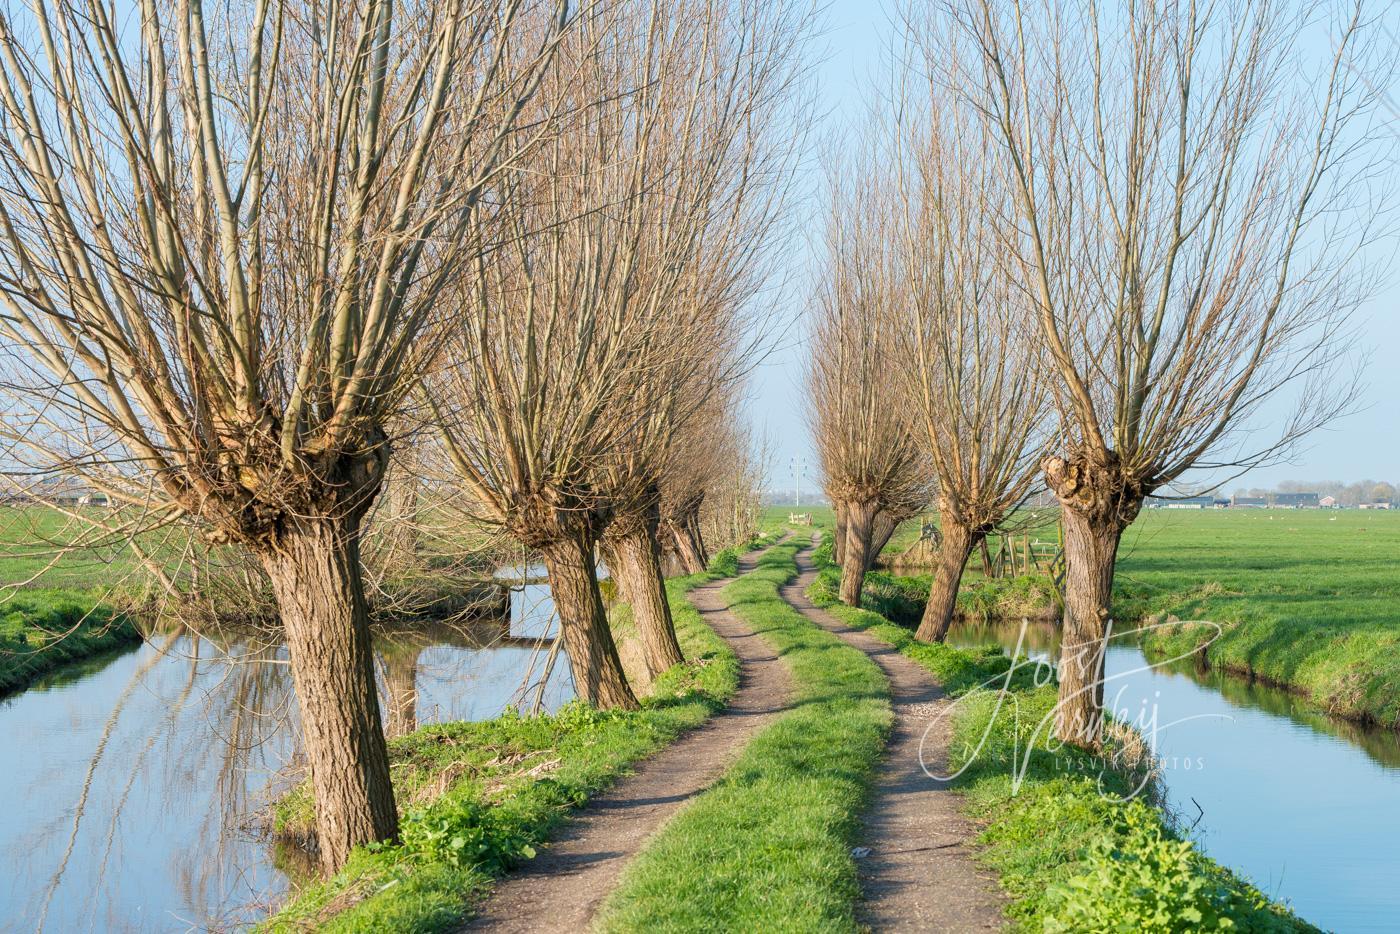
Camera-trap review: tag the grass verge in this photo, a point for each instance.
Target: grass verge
(1071, 848)
(477, 798)
(768, 846)
(41, 630)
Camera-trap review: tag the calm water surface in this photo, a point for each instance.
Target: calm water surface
(131, 785)
(1304, 805)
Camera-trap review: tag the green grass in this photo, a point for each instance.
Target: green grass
(41, 630)
(477, 798)
(1309, 599)
(1075, 856)
(768, 846)
(1071, 857)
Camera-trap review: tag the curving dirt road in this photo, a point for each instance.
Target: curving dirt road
(919, 874)
(562, 888)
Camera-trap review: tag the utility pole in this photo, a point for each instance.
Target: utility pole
(798, 467)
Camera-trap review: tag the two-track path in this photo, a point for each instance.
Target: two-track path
(919, 874)
(563, 887)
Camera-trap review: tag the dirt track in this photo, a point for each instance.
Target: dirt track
(919, 874)
(563, 887)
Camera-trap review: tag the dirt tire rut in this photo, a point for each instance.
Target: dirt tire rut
(919, 874)
(563, 887)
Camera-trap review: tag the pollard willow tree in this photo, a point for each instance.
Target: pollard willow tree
(722, 165)
(1190, 186)
(223, 234)
(869, 455)
(966, 354)
(580, 336)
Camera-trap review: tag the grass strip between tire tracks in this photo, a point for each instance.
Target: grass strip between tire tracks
(768, 847)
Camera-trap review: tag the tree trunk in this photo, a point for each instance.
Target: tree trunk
(859, 521)
(987, 569)
(1090, 551)
(956, 548)
(696, 539)
(683, 525)
(1097, 503)
(315, 575)
(882, 530)
(583, 623)
(639, 578)
(838, 539)
(401, 689)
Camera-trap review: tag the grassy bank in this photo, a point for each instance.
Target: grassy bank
(41, 630)
(477, 798)
(1069, 851)
(768, 847)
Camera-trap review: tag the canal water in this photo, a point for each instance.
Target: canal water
(132, 784)
(1304, 805)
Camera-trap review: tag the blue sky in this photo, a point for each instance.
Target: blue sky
(1365, 444)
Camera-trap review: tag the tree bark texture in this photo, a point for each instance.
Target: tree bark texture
(690, 543)
(882, 530)
(315, 575)
(860, 519)
(838, 539)
(958, 540)
(1090, 552)
(583, 622)
(637, 567)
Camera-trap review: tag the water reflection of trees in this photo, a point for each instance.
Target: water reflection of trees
(223, 744)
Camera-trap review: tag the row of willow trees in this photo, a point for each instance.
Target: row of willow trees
(1090, 248)
(246, 249)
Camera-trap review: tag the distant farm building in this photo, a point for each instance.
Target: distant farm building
(1379, 504)
(1250, 502)
(1187, 502)
(1328, 502)
(1296, 501)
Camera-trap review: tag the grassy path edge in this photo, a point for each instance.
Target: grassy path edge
(1071, 858)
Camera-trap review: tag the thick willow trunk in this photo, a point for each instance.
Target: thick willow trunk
(958, 540)
(1090, 551)
(881, 531)
(1098, 503)
(315, 575)
(859, 525)
(583, 623)
(689, 542)
(637, 569)
(838, 540)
